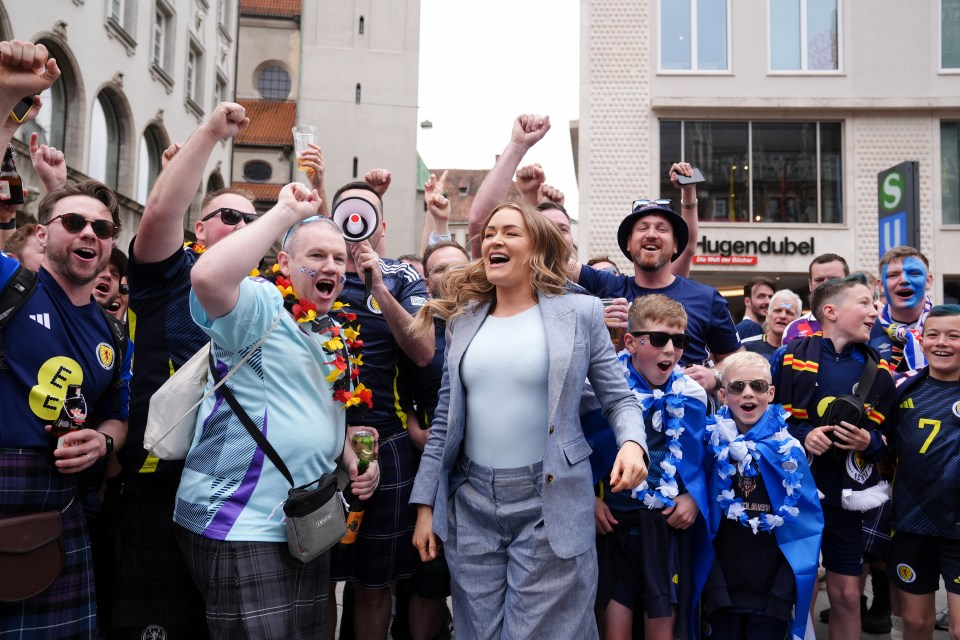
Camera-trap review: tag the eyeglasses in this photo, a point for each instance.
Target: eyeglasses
(737, 387)
(124, 289)
(75, 223)
(230, 217)
(644, 204)
(659, 339)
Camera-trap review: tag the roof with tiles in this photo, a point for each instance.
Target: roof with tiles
(262, 191)
(276, 8)
(270, 123)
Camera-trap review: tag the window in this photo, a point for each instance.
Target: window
(694, 35)
(214, 182)
(163, 37)
(361, 25)
(148, 166)
(951, 289)
(760, 171)
(358, 94)
(274, 83)
(104, 142)
(356, 165)
(950, 34)
(116, 11)
(950, 171)
(194, 81)
(804, 35)
(257, 171)
(122, 22)
(219, 91)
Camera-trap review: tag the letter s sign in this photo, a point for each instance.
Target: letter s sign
(891, 191)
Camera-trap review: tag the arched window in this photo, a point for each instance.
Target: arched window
(361, 25)
(356, 165)
(257, 171)
(214, 182)
(358, 93)
(104, 164)
(274, 83)
(152, 144)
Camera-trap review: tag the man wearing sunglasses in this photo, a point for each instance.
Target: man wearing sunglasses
(652, 236)
(153, 586)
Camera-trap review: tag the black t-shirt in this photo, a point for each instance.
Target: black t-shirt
(166, 337)
(750, 572)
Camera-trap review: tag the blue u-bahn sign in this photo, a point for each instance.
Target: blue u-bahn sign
(899, 206)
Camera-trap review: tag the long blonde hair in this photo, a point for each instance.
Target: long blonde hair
(466, 284)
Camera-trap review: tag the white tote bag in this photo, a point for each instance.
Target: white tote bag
(172, 419)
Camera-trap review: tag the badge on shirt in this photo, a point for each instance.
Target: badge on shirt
(105, 355)
(373, 306)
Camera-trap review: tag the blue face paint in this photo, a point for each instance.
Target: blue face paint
(310, 273)
(908, 276)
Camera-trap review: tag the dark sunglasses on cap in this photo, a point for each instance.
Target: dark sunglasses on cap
(737, 387)
(643, 203)
(75, 223)
(230, 217)
(659, 338)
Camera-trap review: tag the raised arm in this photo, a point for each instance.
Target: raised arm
(216, 277)
(26, 69)
(528, 129)
(529, 180)
(161, 229)
(436, 225)
(49, 163)
(689, 213)
(312, 160)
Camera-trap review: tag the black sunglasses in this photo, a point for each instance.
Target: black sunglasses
(230, 217)
(124, 289)
(644, 203)
(75, 223)
(659, 338)
(737, 387)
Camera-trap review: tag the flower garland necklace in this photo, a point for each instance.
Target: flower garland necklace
(736, 453)
(342, 340)
(654, 403)
(195, 246)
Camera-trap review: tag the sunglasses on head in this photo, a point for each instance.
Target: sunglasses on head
(230, 217)
(75, 223)
(737, 387)
(659, 338)
(644, 203)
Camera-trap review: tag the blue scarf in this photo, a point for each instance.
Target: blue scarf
(771, 448)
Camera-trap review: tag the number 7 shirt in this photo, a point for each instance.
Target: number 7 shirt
(926, 489)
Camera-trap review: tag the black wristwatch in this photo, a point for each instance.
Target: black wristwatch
(109, 442)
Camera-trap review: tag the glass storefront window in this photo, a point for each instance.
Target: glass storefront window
(789, 172)
(950, 171)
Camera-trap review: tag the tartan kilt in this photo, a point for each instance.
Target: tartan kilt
(383, 552)
(67, 609)
(257, 589)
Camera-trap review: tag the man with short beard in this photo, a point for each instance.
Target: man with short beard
(652, 236)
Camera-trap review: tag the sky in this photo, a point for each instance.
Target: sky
(484, 63)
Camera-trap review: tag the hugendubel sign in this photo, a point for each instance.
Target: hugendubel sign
(768, 247)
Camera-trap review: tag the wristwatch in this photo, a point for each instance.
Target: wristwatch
(109, 442)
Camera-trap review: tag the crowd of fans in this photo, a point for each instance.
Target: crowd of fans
(559, 466)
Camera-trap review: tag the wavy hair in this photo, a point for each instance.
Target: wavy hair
(465, 285)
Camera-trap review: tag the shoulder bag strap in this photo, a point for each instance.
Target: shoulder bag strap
(255, 433)
(869, 375)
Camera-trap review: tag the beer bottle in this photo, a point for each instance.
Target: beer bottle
(11, 186)
(73, 415)
(363, 444)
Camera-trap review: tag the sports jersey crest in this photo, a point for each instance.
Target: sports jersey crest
(105, 355)
(857, 468)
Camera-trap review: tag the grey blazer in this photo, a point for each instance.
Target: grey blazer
(578, 347)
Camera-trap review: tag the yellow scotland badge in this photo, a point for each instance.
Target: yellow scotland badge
(105, 355)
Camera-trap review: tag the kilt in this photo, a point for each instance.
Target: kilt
(383, 552)
(67, 609)
(257, 589)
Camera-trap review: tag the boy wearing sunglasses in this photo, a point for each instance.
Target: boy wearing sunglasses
(817, 377)
(640, 535)
(764, 512)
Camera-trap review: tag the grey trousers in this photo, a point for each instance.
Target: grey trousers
(507, 583)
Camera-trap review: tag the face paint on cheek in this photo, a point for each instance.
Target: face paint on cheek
(916, 274)
(310, 273)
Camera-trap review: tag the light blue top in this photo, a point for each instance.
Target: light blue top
(229, 489)
(505, 372)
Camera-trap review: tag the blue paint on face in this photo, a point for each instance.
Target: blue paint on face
(905, 283)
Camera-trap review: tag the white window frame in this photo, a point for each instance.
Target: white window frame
(803, 70)
(942, 69)
(193, 79)
(117, 11)
(693, 43)
(159, 37)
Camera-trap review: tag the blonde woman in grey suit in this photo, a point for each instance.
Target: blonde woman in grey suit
(505, 479)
